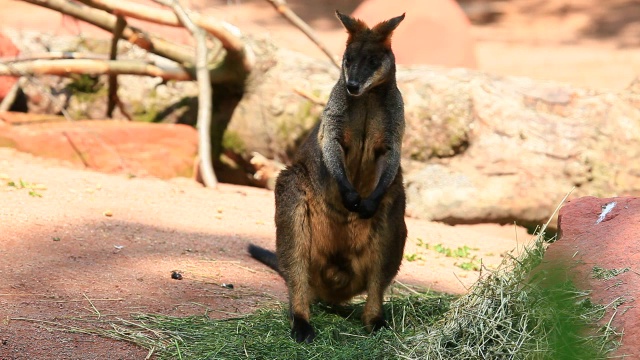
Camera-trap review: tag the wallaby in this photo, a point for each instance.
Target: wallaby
(340, 206)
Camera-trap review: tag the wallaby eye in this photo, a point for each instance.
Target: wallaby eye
(374, 62)
(347, 60)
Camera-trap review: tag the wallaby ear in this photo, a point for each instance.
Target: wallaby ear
(385, 28)
(352, 25)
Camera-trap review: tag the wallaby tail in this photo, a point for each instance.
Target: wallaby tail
(265, 256)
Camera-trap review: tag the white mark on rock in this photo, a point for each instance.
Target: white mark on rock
(605, 210)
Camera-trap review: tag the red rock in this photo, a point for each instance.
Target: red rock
(590, 236)
(435, 32)
(141, 149)
(7, 50)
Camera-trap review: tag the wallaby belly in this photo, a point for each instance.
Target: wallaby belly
(340, 255)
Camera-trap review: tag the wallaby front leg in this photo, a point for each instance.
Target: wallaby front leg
(333, 157)
(387, 166)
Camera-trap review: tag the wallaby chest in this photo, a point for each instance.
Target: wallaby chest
(363, 140)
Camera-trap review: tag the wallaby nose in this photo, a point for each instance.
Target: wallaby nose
(353, 87)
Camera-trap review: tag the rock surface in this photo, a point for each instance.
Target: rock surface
(599, 239)
(138, 149)
(485, 148)
(7, 50)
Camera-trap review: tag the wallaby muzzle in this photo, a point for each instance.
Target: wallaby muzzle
(353, 88)
(359, 78)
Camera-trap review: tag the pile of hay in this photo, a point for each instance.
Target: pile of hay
(520, 311)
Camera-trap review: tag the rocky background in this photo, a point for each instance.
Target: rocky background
(481, 145)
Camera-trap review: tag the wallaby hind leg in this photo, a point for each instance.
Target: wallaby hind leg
(293, 240)
(389, 238)
(373, 315)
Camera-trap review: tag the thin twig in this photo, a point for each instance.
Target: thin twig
(10, 97)
(314, 99)
(78, 300)
(53, 55)
(93, 306)
(284, 9)
(204, 93)
(76, 150)
(406, 287)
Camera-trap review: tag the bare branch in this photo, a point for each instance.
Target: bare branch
(308, 95)
(112, 97)
(53, 55)
(284, 9)
(228, 35)
(65, 67)
(10, 97)
(204, 94)
(106, 21)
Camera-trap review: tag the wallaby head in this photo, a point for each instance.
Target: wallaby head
(368, 60)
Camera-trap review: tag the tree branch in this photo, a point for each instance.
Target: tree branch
(204, 94)
(66, 67)
(10, 97)
(52, 55)
(112, 97)
(284, 9)
(106, 21)
(228, 35)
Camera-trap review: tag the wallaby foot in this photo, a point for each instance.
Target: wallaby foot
(374, 323)
(301, 330)
(377, 323)
(373, 315)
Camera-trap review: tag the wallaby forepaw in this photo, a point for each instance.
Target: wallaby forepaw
(302, 331)
(351, 200)
(377, 323)
(367, 208)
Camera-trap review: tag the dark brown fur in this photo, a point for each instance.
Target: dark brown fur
(340, 227)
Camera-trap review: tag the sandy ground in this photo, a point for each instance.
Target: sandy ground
(115, 240)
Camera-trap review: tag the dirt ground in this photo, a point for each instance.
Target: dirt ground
(80, 244)
(73, 239)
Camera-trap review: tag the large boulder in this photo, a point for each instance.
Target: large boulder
(517, 146)
(478, 148)
(138, 149)
(599, 249)
(435, 32)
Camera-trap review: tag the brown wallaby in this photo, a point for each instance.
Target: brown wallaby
(340, 206)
